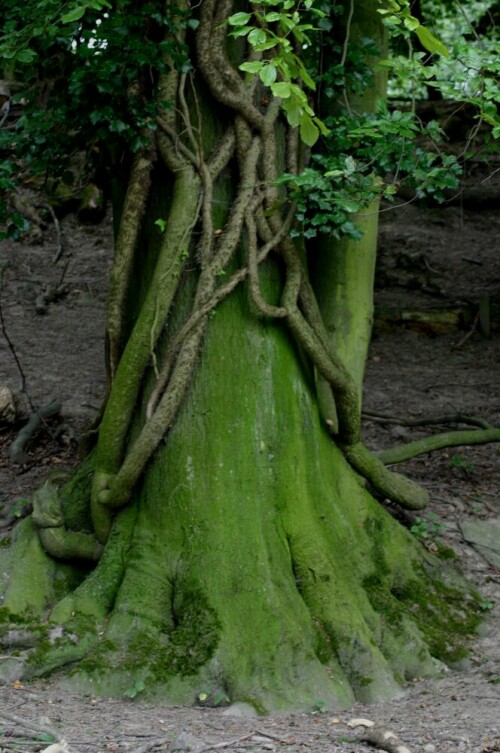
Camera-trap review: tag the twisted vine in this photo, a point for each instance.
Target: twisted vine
(257, 213)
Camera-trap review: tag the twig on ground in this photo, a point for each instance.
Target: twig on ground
(283, 741)
(10, 344)
(151, 744)
(36, 419)
(59, 248)
(469, 334)
(228, 744)
(29, 725)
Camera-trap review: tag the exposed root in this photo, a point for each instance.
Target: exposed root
(56, 539)
(438, 442)
(391, 485)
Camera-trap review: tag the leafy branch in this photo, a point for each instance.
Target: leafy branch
(277, 32)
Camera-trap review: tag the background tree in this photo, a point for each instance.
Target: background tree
(220, 539)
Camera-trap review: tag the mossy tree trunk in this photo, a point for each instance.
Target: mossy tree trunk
(227, 545)
(343, 271)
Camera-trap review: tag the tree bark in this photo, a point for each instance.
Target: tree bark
(239, 552)
(251, 560)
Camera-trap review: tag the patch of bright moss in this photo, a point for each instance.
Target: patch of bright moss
(181, 651)
(446, 616)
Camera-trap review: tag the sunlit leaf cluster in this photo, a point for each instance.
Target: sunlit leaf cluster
(276, 33)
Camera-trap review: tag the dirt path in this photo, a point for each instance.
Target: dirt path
(437, 259)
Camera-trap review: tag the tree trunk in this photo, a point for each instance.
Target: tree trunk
(239, 554)
(252, 563)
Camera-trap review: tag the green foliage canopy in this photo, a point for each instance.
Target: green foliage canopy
(89, 73)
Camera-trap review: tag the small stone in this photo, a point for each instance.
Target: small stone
(429, 748)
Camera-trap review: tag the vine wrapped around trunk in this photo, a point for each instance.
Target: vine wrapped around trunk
(222, 531)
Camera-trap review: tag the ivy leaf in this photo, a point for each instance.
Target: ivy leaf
(430, 42)
(348, 205)
(309, 133)
(73, 15)
(239, 19)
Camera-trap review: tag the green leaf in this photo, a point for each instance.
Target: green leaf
(348, 205)
(268, 75)
(282, 89)
(241, 31)
(25, 56)
(350, 165)
(411, 23)
(161, 224)
(257, 36)
(73, 15)
(253, 66)
(430, 42)
(309, 133)
(308, 81)
(267, 45)
(272, 16)
(322, 127)
(239, 19)
(293, 112)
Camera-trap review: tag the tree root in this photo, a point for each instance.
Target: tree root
(394, 486)
(55, 538)
(438, 442)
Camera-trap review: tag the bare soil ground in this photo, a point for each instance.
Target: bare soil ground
(445, 259)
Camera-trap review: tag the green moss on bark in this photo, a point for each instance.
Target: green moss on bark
(252, 560)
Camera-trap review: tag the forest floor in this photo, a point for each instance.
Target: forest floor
(424, 364)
